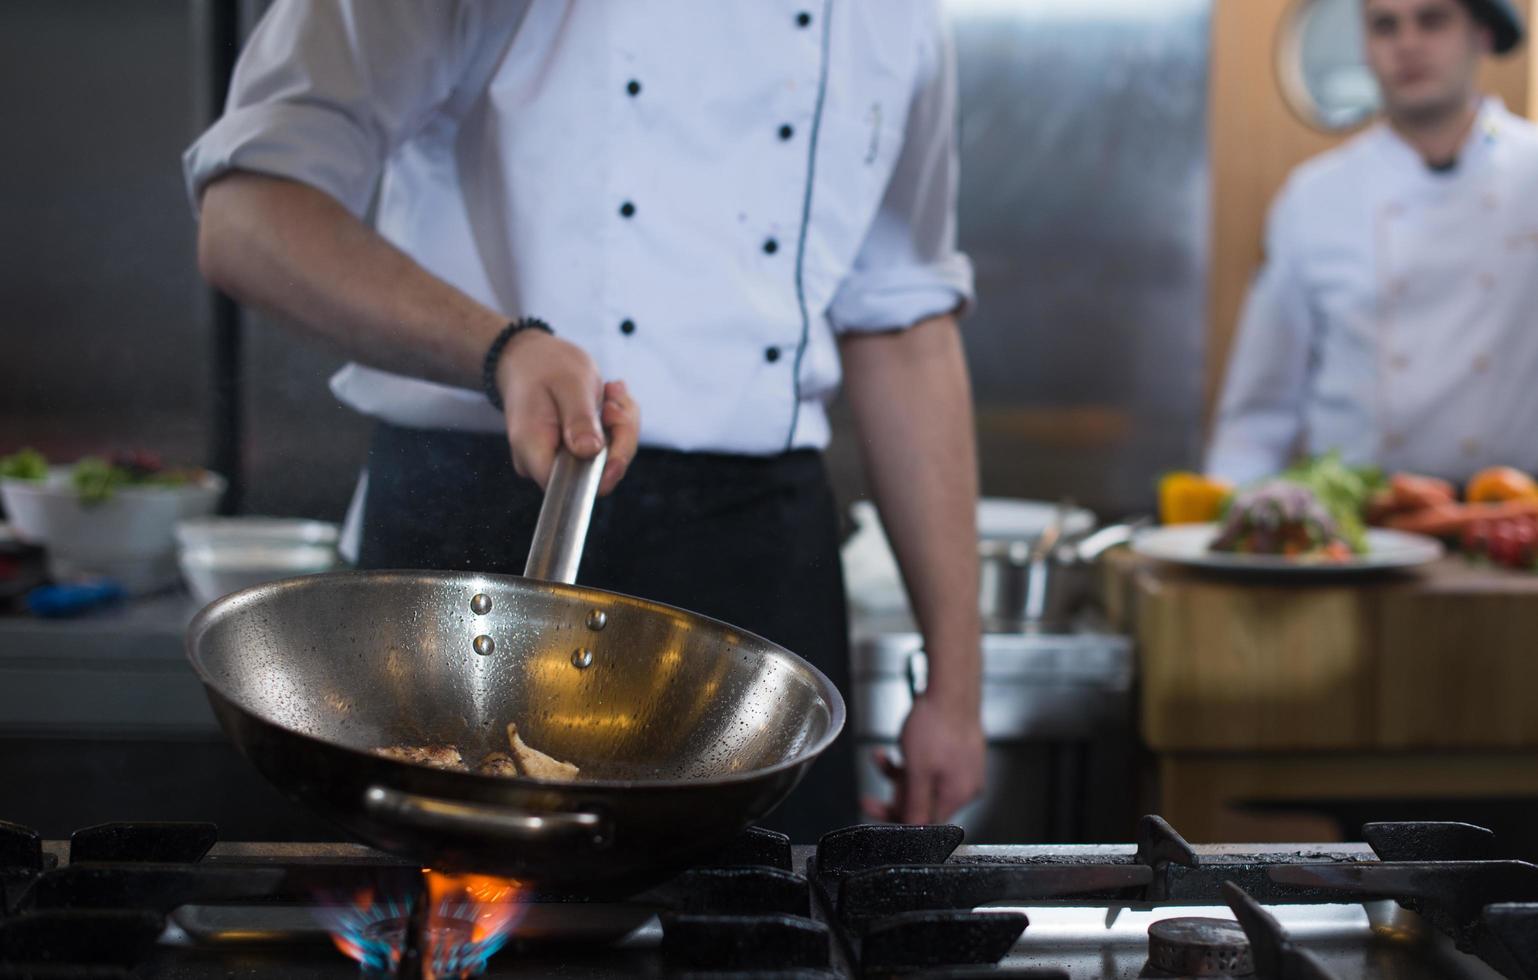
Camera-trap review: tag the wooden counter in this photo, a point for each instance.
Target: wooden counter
(1416, 685)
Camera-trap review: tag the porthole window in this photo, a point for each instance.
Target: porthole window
(1321, 66)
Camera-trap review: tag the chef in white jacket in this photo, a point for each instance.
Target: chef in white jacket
(684, 222)
(1396, 318)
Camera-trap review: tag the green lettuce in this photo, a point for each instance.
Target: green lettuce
(29, 464)
(1343, 490)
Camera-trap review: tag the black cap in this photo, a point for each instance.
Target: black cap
(1503, 20)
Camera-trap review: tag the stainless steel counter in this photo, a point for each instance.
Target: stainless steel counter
(117, 671)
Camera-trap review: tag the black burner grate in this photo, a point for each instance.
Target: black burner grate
(100, 916)
(161, 842)
(875, 901)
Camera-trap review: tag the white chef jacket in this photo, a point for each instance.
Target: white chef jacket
(1396, 319)
(701, 195)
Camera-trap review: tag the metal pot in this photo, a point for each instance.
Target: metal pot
(687, 730)
(1040, 585)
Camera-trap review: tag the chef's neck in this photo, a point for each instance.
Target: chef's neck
(1437, 137)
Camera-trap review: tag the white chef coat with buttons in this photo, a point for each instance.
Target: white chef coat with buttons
(1396, 319)
(701, 195)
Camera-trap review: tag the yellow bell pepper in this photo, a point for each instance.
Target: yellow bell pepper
(1191, 498)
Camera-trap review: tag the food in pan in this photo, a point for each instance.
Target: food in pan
(534, 763)
(497, 764)
(1281, 517)
(522, 761)
(436, 756)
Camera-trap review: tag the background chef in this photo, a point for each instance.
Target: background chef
(1396, 318)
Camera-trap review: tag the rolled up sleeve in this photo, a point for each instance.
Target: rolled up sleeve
(325, 90)
(908, 268)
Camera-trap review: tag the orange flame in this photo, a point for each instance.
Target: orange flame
(469, 917)
(492, 905)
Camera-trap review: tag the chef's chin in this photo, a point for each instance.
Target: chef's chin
(1423, 101)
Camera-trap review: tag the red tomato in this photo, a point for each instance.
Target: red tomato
(1526, 537)
(1505, 547)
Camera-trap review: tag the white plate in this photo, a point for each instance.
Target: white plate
(1191, 544)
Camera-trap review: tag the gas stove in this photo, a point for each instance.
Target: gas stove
(1418, 900)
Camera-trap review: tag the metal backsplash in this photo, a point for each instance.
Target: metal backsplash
(100, 347)
(1084, 199)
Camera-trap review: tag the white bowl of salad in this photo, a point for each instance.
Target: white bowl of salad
(112, 517)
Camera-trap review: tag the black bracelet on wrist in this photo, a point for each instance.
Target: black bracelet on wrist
(494, 354)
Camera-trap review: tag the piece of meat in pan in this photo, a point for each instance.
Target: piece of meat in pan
(436, 756)
(497, 764)
(536, 764)
(523, 760)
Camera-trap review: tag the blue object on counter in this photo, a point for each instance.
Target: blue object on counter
(59, 601)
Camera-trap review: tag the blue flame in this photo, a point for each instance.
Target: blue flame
(374, 935)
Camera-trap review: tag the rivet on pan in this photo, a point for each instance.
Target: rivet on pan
(484, 645)
(597, 620)
(582, 658)
(480, 604)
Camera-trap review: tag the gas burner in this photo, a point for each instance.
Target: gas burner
(168, 901)
(444, 926)
(1199, 947)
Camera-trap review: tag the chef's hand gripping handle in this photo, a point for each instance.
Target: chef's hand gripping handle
(563, 518)
(506, 823)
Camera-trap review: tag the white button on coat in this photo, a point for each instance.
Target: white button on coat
(1396, 319)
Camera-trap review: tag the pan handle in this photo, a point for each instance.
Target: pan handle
(563, 517)
(431, 813)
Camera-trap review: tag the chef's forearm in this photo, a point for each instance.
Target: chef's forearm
(287, 248)
(912, 404)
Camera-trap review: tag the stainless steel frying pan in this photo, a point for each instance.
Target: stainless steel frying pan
(686, 729)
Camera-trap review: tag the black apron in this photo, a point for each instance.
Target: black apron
(749, 540)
